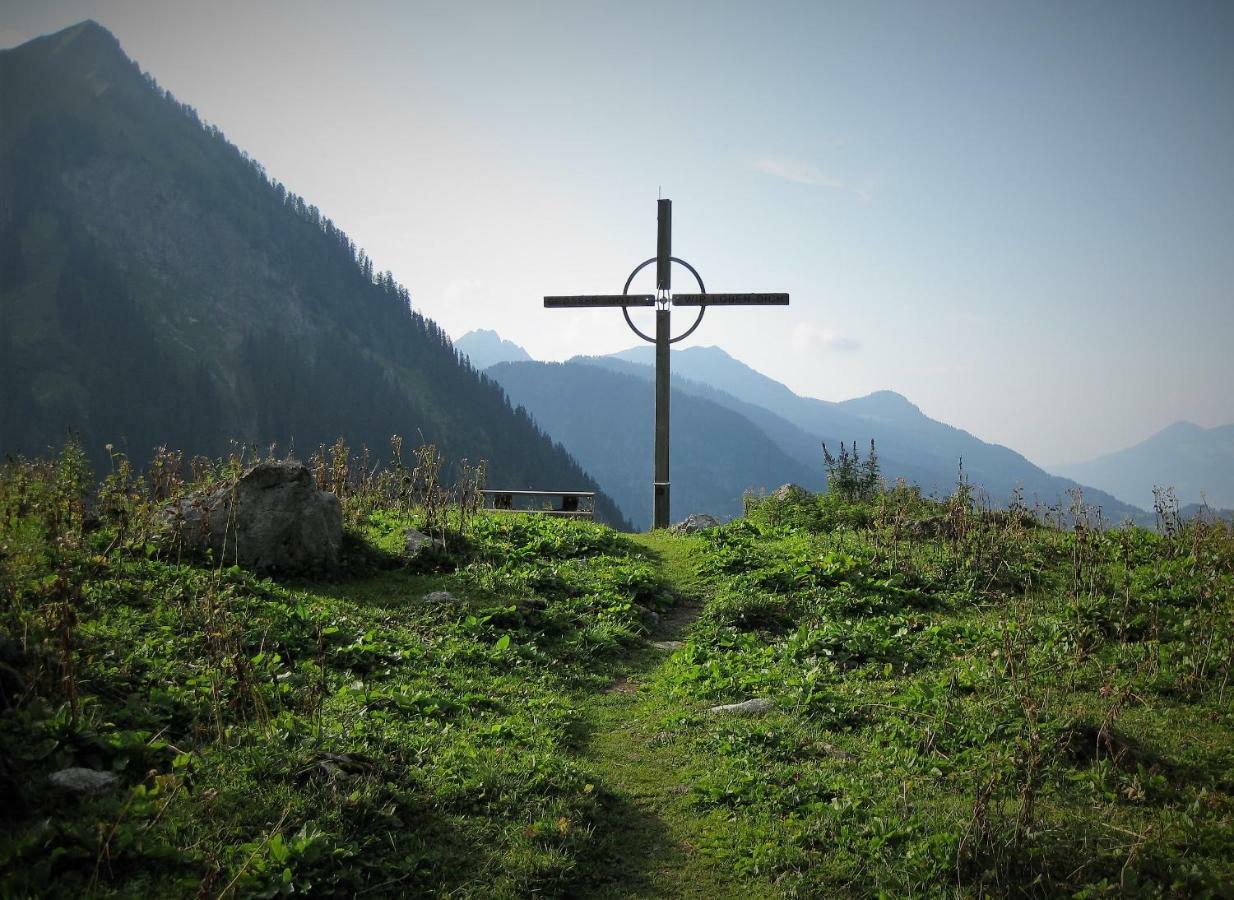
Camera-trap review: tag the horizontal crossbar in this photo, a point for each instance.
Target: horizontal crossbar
(600, 300)
(730, 299)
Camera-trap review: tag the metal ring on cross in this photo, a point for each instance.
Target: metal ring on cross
(625, 310)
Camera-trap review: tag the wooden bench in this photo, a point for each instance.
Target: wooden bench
(572, 504)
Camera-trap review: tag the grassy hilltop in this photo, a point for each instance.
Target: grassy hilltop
(962, 702)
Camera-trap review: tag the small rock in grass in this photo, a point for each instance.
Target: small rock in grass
(419, 547)
(415, 542)
(86, 782)
(745, 708)
(835, 752)
(667, 645)
(440, 597)
(337, 766)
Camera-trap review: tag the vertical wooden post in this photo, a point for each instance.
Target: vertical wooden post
(660, 508)
(664, 335)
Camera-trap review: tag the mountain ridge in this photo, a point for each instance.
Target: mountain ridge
(485, 347)
(909, 443)
(1197, 462)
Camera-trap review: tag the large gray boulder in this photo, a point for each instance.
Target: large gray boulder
(272, 520)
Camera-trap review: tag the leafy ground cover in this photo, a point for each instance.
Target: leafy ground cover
(962, 702)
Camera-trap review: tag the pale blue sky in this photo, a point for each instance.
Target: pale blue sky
(1019, 216)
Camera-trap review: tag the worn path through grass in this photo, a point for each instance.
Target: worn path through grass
(649, 842)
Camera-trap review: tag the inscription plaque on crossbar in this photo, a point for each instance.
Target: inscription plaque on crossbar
(663, 300)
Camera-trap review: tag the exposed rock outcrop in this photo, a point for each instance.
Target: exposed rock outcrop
(695, 522)
(273, 520)
(794, 493)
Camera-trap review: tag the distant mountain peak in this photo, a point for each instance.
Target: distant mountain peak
(1194, 460)
(87, 34)
(1181, 427)
(886, 405)
(87, 26)
(709, 355)
(485, 347)
(889, 397)
(709, 350)
(86, 49)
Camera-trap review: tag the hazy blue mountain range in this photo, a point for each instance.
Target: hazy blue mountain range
(1197, 462)
(157, 287)
(800, 444)
(910, 444)
(605, 419)
(486, 348)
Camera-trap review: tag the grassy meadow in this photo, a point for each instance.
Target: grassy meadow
(961, 701)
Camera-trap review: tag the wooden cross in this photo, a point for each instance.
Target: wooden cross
(664, 300)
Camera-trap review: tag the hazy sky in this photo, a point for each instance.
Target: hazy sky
(1019, 216)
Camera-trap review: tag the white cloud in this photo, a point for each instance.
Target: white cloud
(796, 170)
(811, 337)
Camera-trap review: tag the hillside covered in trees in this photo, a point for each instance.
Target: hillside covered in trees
(157, 287)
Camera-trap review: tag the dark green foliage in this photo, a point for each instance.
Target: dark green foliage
(325, 739)
(853, 479)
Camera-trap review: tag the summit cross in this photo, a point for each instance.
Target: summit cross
(663, 300)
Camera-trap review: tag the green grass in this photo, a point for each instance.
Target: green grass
(993, 708)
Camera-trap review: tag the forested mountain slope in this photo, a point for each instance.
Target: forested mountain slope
(157, 287)
(605, 418)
